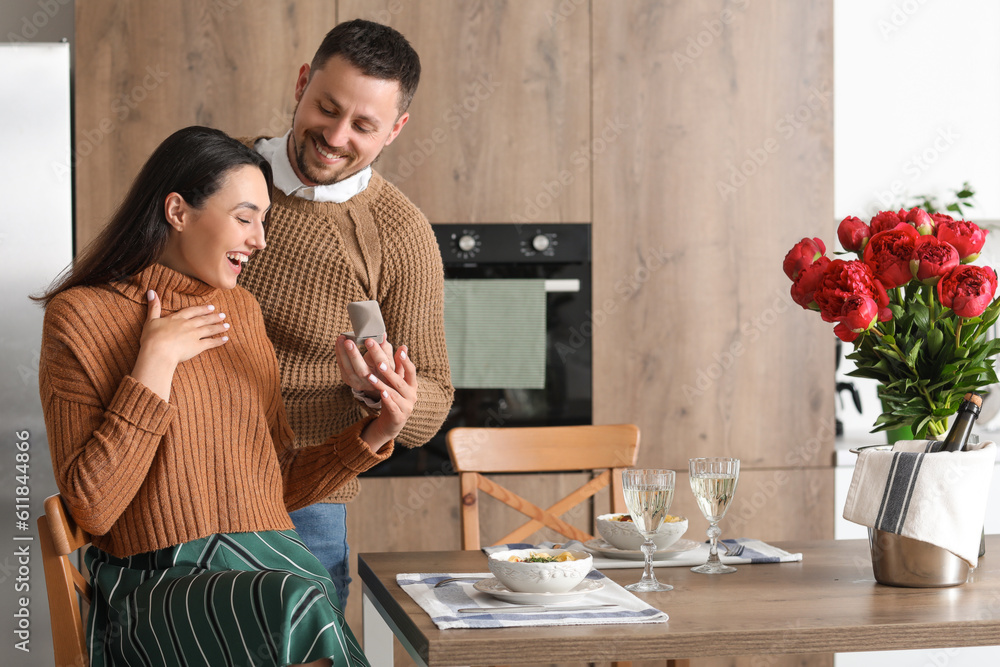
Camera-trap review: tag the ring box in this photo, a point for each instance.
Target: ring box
(366, 318)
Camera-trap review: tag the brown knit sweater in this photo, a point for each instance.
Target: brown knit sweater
(140, 473)
(320, 257)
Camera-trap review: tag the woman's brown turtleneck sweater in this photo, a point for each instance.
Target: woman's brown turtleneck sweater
(140, 473)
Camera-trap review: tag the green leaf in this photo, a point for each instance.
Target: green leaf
(872, 376)
(891, 354)
(967, 333)
(934, 340)
(955, 368)
(989, 315)
(921, 428)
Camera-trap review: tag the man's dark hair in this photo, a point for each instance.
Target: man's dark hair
(375, 49)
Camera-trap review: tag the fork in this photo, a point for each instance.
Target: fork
(734, 551)
(451, 579)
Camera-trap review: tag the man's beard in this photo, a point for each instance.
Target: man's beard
(306, 170)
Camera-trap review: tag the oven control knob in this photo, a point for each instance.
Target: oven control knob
(540, 243)
(466, 243)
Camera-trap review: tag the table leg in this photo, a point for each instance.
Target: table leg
(376, 633)
(379, 631)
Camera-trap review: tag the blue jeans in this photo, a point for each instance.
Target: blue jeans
(323, 528)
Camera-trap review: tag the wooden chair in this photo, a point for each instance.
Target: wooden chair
(60, 537)
(477, 451)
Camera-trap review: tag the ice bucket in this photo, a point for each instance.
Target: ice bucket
(903, 561)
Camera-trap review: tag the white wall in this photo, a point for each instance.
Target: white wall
(916, 111)
(917, 101)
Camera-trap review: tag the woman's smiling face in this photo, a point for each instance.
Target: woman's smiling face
(213, 242)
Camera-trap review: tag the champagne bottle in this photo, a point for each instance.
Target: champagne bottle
(958, 437)
(965, 419)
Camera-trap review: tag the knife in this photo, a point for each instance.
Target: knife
(524, 608)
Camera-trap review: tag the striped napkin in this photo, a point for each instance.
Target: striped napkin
(937, 497)
(442, 604)
(754, 551)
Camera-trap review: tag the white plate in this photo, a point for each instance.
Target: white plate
(492, 586)
(599, 546)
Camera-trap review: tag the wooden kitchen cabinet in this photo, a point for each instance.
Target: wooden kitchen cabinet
(725, 161)
(500, 126)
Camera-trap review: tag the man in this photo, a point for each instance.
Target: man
(337, 233)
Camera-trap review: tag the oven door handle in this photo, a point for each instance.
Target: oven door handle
(562, 285)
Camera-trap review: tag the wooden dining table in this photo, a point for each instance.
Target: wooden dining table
(828, 602)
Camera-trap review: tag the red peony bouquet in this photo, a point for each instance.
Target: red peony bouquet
(915, 307)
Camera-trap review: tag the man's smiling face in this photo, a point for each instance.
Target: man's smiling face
(343, 120)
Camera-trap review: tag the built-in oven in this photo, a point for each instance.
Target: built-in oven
(517, 323)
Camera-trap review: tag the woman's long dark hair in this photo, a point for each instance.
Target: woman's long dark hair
(194, 163)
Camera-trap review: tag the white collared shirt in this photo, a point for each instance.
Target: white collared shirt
(275, 151)
(285, 179)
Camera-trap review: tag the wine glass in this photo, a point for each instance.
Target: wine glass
(648, 494)
(713, 481)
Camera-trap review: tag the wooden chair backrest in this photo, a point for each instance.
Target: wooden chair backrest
(60, 537)
(478, 451)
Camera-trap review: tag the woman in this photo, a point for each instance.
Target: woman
(168, 434)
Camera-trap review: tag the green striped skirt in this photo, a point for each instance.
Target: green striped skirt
(227, 599)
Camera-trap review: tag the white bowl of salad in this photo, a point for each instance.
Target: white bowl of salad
(540, 570)
(619, 531)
